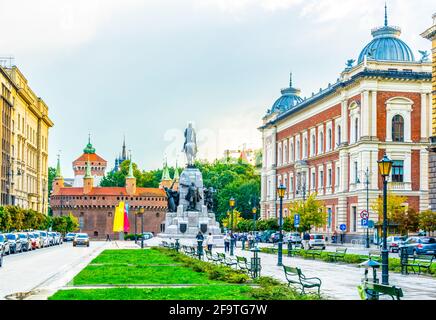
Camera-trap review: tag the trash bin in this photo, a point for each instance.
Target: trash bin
(404, 259)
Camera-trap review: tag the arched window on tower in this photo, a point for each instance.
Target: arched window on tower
(398, 128)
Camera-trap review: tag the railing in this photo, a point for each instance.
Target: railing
(399, 186)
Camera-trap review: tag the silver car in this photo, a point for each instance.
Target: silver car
(44, 238)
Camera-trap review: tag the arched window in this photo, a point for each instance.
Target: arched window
(313, 145)
(329, 141)
(298, 151)
(291, 151)
(285, 152)
(305, 148)
(398, 128)
(321, 142)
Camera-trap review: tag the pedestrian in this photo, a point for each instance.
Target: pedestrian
(306, 238)
(209, 242)
(335, 237)
(250, 238)
(108, 238)
(227, 243)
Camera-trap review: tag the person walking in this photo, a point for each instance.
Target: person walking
(250, 238)
(306, 238)
(227, 243)
(209, 242)
(108, 238)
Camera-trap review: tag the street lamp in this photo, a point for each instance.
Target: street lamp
(232, 206)
(385, 166)
(141, 211)
(281, 193)
(254, 210)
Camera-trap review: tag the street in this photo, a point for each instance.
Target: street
(50, 266)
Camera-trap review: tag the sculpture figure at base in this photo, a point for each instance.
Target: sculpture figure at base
(193, 196)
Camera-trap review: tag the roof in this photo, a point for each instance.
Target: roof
(111, 191)
(91, 156)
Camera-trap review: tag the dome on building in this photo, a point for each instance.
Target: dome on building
(386, 45)
(289, 99)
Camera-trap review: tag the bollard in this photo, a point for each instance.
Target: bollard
(289, 248)
(177, 245)
(199, 249)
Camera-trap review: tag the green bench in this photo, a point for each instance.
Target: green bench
(338, 254)
(227, 260)
(211, 257)
(164, 244)
(295, 276)
(422, 262)
(314, 253)
(374, 290)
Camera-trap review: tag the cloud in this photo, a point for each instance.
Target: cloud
(240, 6)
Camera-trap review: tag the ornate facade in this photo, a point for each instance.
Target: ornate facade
(324, 144)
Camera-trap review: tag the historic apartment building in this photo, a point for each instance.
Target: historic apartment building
(325, 143)
(94, 206)
(24, 135)
(430, 34)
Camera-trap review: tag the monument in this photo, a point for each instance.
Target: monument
(190, 209)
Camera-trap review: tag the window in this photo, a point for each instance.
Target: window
(313, 179)
(305, 148)
(398, 128)
(398, 171)
(291, 151)
(356, 129)
(338, 176)
(285, 152)
(339, 135)
(356, 178)
(298, 151)
(321, 179)
(291, 184)
(354, 209)
(321, 142)
(329, 178)
(329, 217)
(329, 140)
(313, 145)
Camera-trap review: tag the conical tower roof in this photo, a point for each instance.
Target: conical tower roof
(58, 168)
(165, 172)
(89, 149)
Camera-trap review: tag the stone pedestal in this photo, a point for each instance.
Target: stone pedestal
(184, 223)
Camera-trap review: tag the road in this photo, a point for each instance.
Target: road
(24, 272)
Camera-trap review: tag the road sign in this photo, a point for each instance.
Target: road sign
(370, 223)
(296, 220)
(364, 214)
(364, 222)
(343, 227)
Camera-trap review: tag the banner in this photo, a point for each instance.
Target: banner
(126, 218)
(119, 218)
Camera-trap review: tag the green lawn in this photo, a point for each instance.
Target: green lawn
(118, 274)
(137, 257)
(190, 293)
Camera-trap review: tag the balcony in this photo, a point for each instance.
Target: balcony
(398, 186)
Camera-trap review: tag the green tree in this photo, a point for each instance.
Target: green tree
(427, 221)
(267, 224)
(312, 213)
(236, 219)
(5, 220)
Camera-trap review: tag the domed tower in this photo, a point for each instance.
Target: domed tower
(386, 45)
(97, 166)
(289, 99)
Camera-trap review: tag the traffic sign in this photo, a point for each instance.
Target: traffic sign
(364, 222)
(296, 220)
(343, 227)
(364, 214)
(370, 223)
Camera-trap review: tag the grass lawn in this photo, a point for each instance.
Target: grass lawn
(190, 293)
(118, 274)
(137, 257)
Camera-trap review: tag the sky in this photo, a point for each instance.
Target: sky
(144, 69)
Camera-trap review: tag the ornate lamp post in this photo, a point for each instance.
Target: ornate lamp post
(232, 206)
(254, 210)
(141, 211)
(281, 193)
(385, 166)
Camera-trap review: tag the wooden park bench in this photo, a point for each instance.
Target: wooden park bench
(374, 254)
(338, 254)
(295, 276)
(314, 253)
(422, 262)
(375, 290)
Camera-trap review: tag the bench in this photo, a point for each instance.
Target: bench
(338, 254)
(420, 262)
(221, 258)
(211, 257)
(243, 264)
(374, 255)
(164, 244)
(295, 276)
(375, 290)
(313, 253)
(227, 260)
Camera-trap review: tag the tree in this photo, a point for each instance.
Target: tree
(267, 224)
(397, 213)
(72, 223)
(5, 220)
(427, 221)
(312, 213)
(236, 219)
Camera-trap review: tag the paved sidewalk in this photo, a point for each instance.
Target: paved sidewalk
(340, 281)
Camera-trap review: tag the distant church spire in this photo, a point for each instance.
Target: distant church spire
(124, 155)
(386, 15)
(290, 79)
(58, 167)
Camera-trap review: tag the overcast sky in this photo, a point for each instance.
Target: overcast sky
(146, 68)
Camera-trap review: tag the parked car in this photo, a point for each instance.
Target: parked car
(14, 242)
(394, 242)
(294, 237)
(4, 243)
(69, 236)
(81, 239)
(44, 238)
(147, 235)
(420, 245)
(25, 243)
(56, 238)
(34, 241)
(317, 240)
(38, 238)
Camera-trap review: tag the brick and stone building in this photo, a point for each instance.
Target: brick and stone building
(94, 206)
(430, 34)
(325, 143)
(98, 166)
